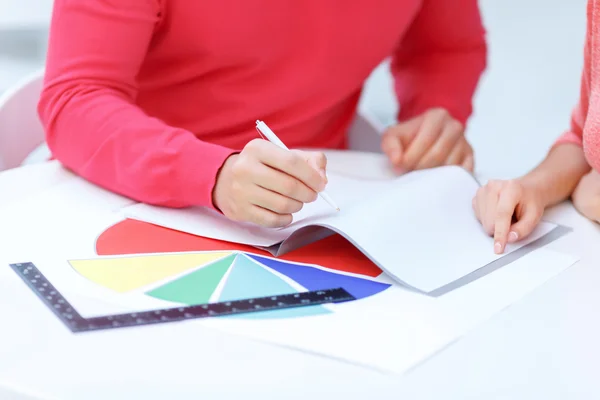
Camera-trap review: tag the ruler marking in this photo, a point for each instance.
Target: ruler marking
(56, 302)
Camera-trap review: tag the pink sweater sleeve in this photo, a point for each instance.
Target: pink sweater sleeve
(579, 114)
(92, 124)
(441, 59)
(585, 116)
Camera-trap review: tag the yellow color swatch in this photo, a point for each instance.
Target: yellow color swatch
(128, 273)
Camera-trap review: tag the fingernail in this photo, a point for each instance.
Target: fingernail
(513, 236)
(498, 248)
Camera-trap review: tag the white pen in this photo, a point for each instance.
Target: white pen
(272, 137)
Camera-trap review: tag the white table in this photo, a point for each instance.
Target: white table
(544, 347)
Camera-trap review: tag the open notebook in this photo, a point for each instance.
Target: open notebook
(419, 228)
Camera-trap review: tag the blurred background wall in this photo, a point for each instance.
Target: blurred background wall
(523, 102)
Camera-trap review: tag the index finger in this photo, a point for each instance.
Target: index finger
(294, 164)
(509, 198)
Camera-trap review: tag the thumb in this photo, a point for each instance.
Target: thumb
(318, 161)
(525, 225)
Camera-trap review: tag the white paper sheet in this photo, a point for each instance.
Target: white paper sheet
(347, 193)
(419, 228)
(434, 238)
(73, 215)
(395, 331)
(392, 331)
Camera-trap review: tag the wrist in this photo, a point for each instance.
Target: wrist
(549, 187)
(555, 179)
(221, 175)
(541, 188)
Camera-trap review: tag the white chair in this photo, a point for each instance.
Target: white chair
(364, 134)
(21, 132)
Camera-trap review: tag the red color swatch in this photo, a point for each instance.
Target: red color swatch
(135, 237)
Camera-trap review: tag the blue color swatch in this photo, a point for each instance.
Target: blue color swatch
(315, 279)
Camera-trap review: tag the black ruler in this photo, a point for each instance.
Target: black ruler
(38, 283)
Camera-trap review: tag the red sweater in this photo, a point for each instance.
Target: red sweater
(147, 98)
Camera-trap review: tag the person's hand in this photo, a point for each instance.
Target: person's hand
(430, 140)
(265, 184)
(586, 196)
(508, 210)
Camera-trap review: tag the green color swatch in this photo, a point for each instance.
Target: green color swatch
(196, 287)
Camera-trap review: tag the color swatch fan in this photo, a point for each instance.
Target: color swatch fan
(217, 276)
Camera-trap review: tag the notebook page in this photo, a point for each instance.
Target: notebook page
(347, 192)
(419, 228)
(424, 232)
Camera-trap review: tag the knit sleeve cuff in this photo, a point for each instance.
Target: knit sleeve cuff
(198, 167)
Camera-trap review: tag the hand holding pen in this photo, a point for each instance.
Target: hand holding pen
(266, 183)
(270, 136)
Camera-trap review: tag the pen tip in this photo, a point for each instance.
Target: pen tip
(337, 209)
